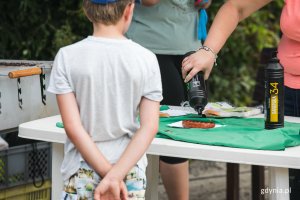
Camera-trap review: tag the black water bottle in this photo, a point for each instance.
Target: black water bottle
(274, 94)
(196, 90)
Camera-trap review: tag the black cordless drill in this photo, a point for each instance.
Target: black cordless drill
(196, 90)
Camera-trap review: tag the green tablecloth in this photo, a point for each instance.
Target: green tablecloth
(246, 133)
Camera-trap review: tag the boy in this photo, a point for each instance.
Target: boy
(102, 84)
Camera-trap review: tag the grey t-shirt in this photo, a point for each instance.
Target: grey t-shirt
(169, 27)
(108, 77)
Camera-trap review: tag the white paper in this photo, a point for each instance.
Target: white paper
(224, 109)
(174, 111)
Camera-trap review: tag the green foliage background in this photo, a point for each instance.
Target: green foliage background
(35, 30)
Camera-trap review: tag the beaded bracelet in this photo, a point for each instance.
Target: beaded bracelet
(206, 48)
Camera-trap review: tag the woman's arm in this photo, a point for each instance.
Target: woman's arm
(226, 20)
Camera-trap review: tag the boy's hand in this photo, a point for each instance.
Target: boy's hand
(111, 189)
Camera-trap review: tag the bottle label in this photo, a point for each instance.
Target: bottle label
(273, 102)
(274, 108)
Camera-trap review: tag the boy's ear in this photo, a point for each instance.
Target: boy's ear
(128, 12)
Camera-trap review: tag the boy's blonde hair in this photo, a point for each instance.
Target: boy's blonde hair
(107, 14)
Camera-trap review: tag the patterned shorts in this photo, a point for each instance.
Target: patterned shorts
(82, 184)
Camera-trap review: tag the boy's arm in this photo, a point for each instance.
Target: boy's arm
(226, 20)
(79, 137)
(149, 119)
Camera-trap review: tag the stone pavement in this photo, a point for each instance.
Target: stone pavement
(208, 181)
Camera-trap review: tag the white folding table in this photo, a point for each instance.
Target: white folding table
(278, 161)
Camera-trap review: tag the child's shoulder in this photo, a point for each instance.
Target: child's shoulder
(75, 46)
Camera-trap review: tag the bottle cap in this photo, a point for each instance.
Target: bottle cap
(274, 60)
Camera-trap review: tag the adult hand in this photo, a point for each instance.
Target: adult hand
(201, 60)
(111, 189)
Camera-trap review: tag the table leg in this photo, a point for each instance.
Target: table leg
(152, 177)
(232, 181)
(258, 181)
(57, 182)
(278, 184)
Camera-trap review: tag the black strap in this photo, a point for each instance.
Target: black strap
(36, 167)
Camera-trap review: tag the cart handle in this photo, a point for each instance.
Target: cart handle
(25, 72)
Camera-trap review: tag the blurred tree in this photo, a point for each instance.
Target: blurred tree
(35, 30)
(32, 29)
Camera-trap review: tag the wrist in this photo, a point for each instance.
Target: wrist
(211, 51)
(103, 172)
(115, 174)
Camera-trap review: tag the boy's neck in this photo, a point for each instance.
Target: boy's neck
(108, 31)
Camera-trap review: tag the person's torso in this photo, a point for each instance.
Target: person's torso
(289, 46)
(169, 27)
(107, 77)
